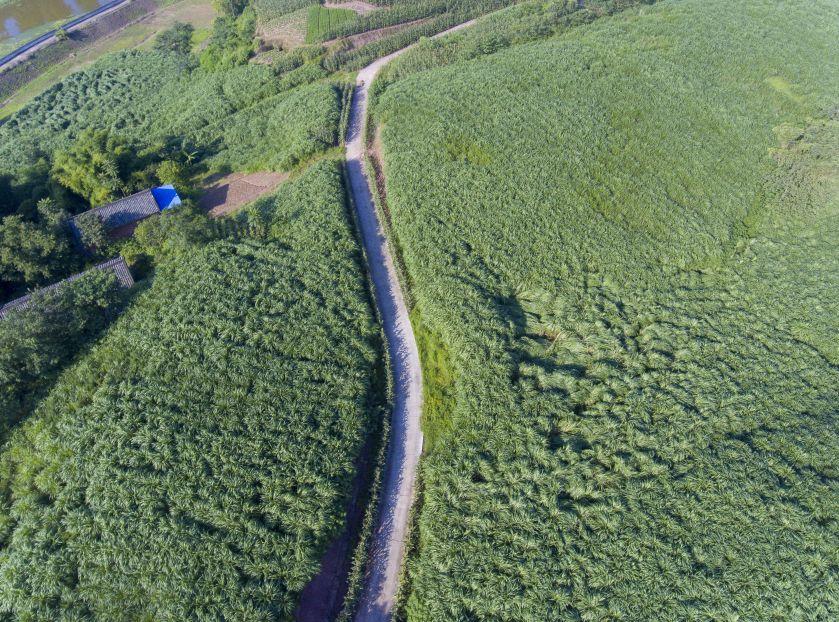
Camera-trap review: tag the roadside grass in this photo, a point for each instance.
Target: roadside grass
(438, 383)
(323, 20)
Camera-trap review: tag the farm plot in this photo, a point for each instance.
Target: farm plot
(322, 19)
(198, 461)
(621, 242)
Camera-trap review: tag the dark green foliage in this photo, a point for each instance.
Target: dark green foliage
(174, 173)
(37, 342)
(92, 232)
(231, 8)
(231, 43)
(196, 464)
(176, 39)
(35, 250)
(95, 167)
(625, 238)
(169, 235)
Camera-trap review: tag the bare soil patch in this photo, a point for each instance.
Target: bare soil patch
(286, 32)
(362, 8)
(224, 194)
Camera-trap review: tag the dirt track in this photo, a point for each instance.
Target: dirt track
(388, 545)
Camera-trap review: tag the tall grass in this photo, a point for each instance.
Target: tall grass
(198, 462)
(627, 234)
(323, 20)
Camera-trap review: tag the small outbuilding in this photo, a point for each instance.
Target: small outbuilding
(121, 217)
(117, 266)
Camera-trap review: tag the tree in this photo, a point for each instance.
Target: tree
(172, 172)
(94, 167)
(232, 42)
(170, 234)
(35, 251)
(232, 8)
(93, 233)
(176, 39)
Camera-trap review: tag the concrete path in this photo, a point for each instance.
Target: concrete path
(388, 545)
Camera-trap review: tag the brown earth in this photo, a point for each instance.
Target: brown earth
(286, 32)
(224, 194)
(362, 8)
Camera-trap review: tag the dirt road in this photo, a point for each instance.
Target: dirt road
(388, 546)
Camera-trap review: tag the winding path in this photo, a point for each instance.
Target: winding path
(388, 544)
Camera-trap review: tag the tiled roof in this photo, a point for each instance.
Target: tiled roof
(117, 266)
(122, 212)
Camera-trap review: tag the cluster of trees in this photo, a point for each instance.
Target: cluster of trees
(177, 38)
(197, 462)
(36, 247)
(632, 311)
(137, 119)
(232, 41)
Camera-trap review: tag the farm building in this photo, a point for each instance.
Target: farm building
(117, 266)
(121, 217)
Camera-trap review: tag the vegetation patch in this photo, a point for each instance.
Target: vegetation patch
(322, 19)
(461, 149)
(641, 296)
(197, 462)
(137, 117)
(438, 386)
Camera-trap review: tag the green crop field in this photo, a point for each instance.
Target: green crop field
(238, 118)
(323, 20)
(196, 464)
(622, 244)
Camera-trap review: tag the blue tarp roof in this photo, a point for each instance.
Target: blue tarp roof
(166, 196)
